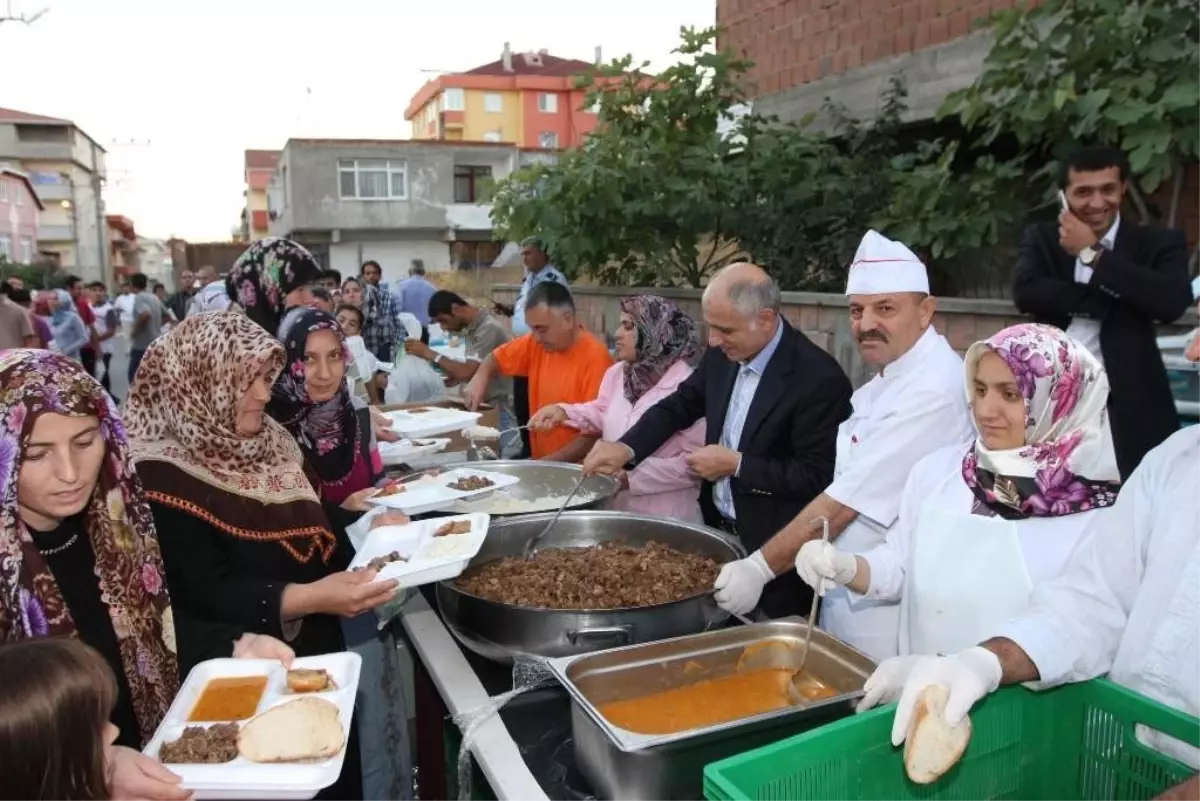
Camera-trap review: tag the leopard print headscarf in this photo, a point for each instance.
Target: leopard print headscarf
(182, 417)
(119, 527)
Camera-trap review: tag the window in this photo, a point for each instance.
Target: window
(452, 100)
(548, 103)
(491, 136)
(20, 198)
(493, 103)
(548, 140)
(26, 250)
(6, 247)
(468, 183)
(372, 179)
(3, 189)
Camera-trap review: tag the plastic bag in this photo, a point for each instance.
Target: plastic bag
(413, 380)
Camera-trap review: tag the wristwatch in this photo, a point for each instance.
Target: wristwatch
(1089, 255)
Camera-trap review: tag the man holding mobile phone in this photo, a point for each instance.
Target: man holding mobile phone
(1108, 282)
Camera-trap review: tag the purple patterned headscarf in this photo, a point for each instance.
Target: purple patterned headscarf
(664, 336)
(1067, 464)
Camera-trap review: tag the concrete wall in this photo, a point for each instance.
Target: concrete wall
(823, 317)
(395, 256)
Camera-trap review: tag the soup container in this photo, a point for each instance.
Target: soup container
(628, 765)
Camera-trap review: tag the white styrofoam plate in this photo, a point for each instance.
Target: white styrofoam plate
(429, 558)
(433, 493)
(242, 778)
(393, 453)
(436, 420)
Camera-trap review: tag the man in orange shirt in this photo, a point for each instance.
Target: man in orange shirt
(563, 362)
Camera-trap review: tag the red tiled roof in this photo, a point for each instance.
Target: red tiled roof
(261, 159)
(552, 66)
(23, 178)
(12, 115)
(122, 224)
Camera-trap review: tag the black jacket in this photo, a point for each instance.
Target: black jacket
(788, 445)
(1141, 282)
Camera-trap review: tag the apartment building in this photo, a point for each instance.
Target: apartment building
(528, 99)
(258, 168)
(393, 201)
(66, 168)
(20, 211)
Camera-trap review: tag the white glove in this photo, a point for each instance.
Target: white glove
(739, 585)
(887, 682)
(968, 676)
(822, 565)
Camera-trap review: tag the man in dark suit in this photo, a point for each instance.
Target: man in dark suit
(1107, 281)
(773, 402)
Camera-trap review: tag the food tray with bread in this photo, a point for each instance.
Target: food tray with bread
(425, 551)
(251, 728)
(1082, 740)
(426, 421)
(393, 453)
(433, 492)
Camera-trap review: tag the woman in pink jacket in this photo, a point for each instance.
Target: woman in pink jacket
(655, 342)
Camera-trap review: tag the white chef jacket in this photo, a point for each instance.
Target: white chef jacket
(1046, 542)
(1128, 603)
(914, 407)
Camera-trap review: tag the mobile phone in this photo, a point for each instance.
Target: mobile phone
(1062, 198)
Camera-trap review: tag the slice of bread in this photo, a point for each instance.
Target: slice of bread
(933, 746)
(304, 730)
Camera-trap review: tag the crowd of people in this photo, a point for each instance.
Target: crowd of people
(1026, 513)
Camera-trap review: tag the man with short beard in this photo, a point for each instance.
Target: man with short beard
(1108, 282)
(180, 300)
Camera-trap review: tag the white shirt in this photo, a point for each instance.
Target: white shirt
(1085, 330)
(124, 304)
(211, 297)
(914, 407)
(744, 388)
(1128, 603)
(1046, 542)
(101, 326)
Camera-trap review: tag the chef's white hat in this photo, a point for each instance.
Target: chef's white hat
(882, 266)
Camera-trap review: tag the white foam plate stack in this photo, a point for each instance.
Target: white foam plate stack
(426, 421)
(429, 557)
(242, 778)
(393, 453)
(432, 493)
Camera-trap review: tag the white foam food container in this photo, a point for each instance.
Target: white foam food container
(433, 493)
(242, 778)
(429, 557)
(394, 453)
(426, 421)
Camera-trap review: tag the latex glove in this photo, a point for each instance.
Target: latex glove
(968, 676)
(822, 565)
(739, 585)
(887, 682)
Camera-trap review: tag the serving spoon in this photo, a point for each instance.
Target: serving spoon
(528, 552)
(812, 612)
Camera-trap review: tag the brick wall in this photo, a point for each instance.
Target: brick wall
(794, 42)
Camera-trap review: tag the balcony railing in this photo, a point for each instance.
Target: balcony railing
(56, 233)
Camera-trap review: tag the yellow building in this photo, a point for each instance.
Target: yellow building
(260, 166)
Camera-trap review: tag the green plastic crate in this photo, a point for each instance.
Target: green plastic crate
(1073, 742)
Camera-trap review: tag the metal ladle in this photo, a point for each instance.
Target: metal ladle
(528, 552)
(812, 614)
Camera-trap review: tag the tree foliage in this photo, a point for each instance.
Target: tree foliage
(1119, 72)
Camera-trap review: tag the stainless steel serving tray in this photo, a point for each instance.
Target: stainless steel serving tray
(628, 765)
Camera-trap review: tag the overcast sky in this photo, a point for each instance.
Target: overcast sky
(175, 90)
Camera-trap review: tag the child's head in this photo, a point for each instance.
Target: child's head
(56, 696)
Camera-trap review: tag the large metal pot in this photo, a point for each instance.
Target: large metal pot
(501, 631)
(549, 481)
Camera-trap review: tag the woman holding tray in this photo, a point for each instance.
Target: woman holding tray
(245, 537)
(79, 556)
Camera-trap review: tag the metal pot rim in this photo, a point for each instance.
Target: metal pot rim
(736, 547)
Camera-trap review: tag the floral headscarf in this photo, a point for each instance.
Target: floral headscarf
(1067, 464)
(327, 432)
(664, 336)
(182, 417)
(118, 524)
(264, 274)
